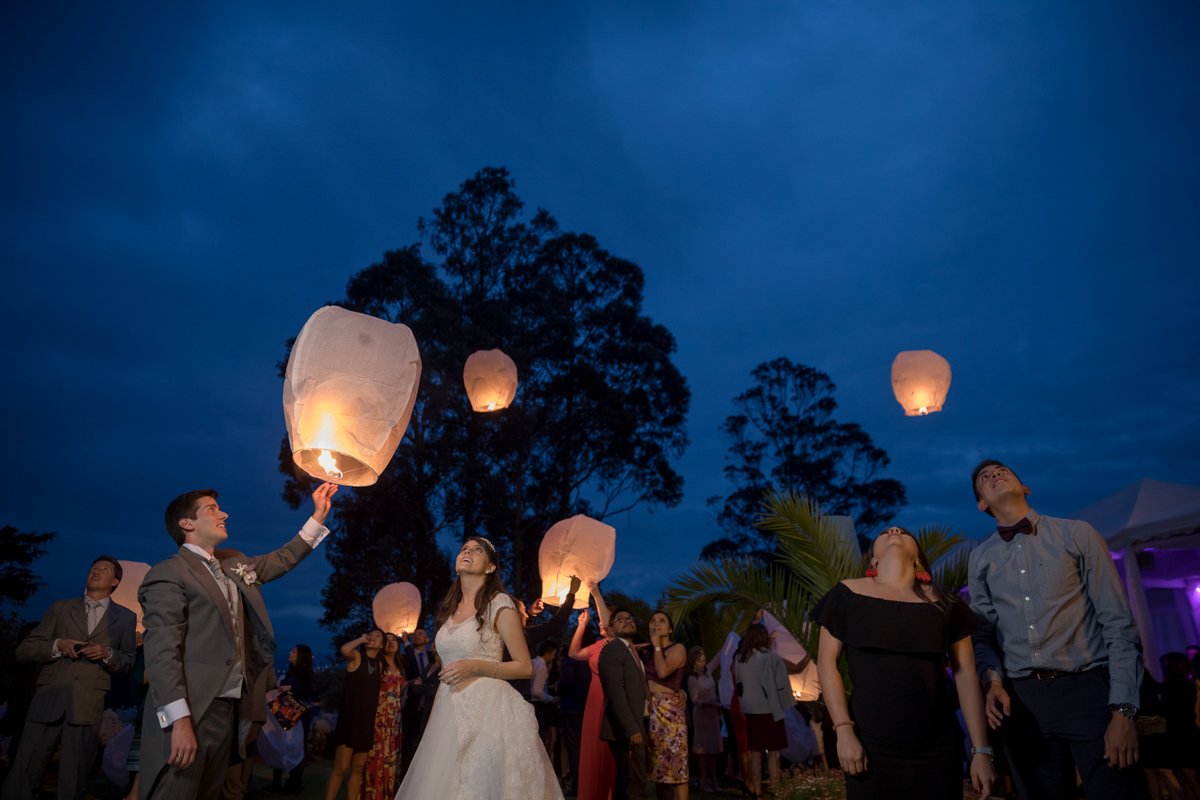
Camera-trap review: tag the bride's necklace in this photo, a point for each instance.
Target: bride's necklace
(459, 616)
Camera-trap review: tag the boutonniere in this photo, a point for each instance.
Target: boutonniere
(247, 574)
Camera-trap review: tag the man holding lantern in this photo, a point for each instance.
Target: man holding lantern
(209, 645)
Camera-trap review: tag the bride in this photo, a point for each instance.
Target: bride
(482, 741)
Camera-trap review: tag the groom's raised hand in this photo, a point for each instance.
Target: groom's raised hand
(322, 500)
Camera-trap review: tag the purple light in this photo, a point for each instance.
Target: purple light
(1198, 590)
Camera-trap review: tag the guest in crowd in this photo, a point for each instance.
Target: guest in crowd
(544, 703)
(381, 771)
(896, 627)
(667, 749)
(139, 685)
(1177, 703)
(421, 691)
(623, 677)
(764, 694)
(536, 634)
(574, 684)
(354, 735)
(298, 681)
(417, 658)
(1058, 651)
(81, 643)
(706, 717)
(597, 769)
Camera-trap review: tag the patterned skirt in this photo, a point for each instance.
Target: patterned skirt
(668, 750)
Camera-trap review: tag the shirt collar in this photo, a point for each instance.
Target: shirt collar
(103, 603)
(198, 551)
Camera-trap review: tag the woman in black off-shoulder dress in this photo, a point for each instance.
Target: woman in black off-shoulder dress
(899, 738)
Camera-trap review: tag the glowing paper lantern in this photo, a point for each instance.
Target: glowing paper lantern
(578, 546)
(491, 380)
(132, 575)
(804, 684)
(920, 379)
(348, 394)
(397, 608)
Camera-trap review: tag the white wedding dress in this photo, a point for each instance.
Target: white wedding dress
(481, 742)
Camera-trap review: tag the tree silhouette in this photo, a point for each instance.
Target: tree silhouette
(786, 440)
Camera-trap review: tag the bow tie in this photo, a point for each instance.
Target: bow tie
(1007, 532)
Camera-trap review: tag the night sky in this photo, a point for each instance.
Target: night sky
(1013, 185)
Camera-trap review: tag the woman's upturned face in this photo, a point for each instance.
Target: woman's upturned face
(292, 656)
(374, 640)
(392, 645)
(894, 538)
(701, 663)
(473, 559)
(660, 625)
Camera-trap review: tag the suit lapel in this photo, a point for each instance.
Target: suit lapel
(78, 615)
(204, 575)
(110, 614)
(251, 598)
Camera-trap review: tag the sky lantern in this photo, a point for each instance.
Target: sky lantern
(132, 575)
(920, 379)
(397, 608)
(491, 380)
(348, 394)
(579, 546)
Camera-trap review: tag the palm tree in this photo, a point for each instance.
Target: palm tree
(811, 557)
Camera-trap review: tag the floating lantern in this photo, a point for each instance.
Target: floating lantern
(920, 379)
(397, 608)
(578, 546)
(491, 380)
(348, 394)
(132, 575)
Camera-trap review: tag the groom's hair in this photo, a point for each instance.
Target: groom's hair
(184, 507)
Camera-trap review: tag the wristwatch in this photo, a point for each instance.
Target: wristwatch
(987, 751)
(1128, 710)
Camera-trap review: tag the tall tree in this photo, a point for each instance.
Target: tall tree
(785, 440)
(18, 551)
(598, 418)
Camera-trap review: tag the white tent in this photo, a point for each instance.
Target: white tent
(1148, 515)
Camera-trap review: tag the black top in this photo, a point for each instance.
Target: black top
(896, 652)
(300, 682)
(360, 698)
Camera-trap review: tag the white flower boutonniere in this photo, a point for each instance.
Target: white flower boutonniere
(246, 573)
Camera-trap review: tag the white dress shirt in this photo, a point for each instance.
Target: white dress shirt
(313, 533)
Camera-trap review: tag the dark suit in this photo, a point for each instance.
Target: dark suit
(69, 698)
(190, 655)
(535, 635)
(624, 685)
(415, 714)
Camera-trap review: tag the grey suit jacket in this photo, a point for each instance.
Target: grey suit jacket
(624, 686)
(189, 645)
(76, 686)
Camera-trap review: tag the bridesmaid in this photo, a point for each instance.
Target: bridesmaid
(897, 627)
(597, 769)
(355, 732)
(667, 749)
(706, 717)
(380, 781)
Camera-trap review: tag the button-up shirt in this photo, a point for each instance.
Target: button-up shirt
(313, 533)
(94, 611)
(1053, 600)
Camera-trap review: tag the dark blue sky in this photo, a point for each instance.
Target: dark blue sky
(1013, 185)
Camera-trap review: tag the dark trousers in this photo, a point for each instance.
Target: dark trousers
(572, 734)
(37, 748)
(631, 769)
(205, 778)
(1058, 725)
(413, 729)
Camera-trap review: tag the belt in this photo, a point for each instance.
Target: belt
(1047, 674)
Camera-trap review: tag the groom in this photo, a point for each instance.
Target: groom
(209, 646)
(623, 679)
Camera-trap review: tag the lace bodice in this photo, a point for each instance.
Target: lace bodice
(456, 641)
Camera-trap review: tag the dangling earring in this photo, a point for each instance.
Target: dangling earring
(923, 576)
(871, 573)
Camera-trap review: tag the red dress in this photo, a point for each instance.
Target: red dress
(380, 779)
(597, 768)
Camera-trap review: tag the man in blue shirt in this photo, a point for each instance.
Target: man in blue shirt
(1058, 654)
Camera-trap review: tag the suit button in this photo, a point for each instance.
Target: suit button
(228, 661)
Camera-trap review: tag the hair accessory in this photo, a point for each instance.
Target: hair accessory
(871, 573)
(924, 577)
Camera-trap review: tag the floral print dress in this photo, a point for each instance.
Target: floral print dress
(383, 761)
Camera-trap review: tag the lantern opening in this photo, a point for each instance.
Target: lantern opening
(330, 466)
(492, 406)
(923, 411)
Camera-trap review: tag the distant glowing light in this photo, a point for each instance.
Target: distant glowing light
(492, 406)
(329, 465)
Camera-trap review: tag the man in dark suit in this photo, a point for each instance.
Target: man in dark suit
(80, 642)
(624, 681)
(417, 660)
(209, 646)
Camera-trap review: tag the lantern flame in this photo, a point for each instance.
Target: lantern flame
(492, 406)
(330, 466)
(923, 411)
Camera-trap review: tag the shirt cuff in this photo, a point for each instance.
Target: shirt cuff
(989, 675)
(54, 651)
(313, 532)
(172, 711)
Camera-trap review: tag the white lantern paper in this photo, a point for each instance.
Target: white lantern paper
(579, 546)
(491, 380)
(804, 684)
(349, 392)
(920, 379)
(397, 608)
(132, 575)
